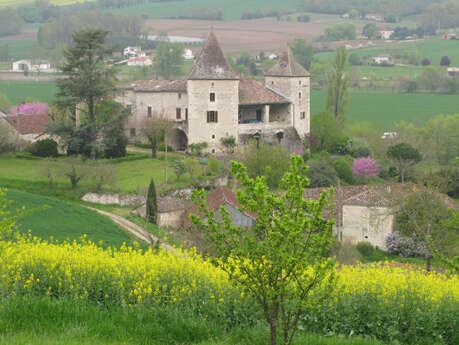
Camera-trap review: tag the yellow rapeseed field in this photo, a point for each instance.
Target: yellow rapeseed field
(126, 276)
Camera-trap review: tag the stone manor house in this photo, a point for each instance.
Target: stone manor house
(214, 102)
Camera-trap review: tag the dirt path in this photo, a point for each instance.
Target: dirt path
(139, 232)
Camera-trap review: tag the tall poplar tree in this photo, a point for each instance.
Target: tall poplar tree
(88, 77)
(338, 86)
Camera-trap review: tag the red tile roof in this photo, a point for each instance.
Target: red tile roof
(157, 85)
(253, 92)
(29, 124)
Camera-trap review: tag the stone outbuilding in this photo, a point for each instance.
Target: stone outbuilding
(214, 102)
(171, 212)
(29, 128)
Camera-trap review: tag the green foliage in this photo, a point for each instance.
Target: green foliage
(197, 148)
(214, 166)
(229, 143)
(326, 134)
(179, 168)
(355, 60)
(321, 174)
(343, 169)
(281, 262)
(338, 85)
(270, 161)
(405, 156)
(8, 221)
(152, 204)
(102, 174)
(44, 148)
(5, 103)
(9, 141)
(340, 32)
(75, 169)
(169, 59)
(88, 77)
(365, 248)
(193, 167)
(370, 31)
(303, 52)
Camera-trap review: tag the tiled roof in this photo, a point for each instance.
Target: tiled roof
(29, 124)
(253, 92)
(157, 85)
(211, 63)
(287, 66)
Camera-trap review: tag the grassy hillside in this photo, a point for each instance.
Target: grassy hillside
(231, 9)
(61, 220)
(55, 2)
(431, 49)
(385, 107)
(18, 91)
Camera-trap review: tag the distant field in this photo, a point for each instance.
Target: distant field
(18, 48)
(385, 107)
(431, 49)
(62, 220)
(55, 2)
(18, 91)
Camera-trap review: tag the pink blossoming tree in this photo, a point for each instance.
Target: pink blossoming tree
(30, 109)
(365, 167)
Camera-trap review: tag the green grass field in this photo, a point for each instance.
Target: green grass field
(18, 91)
(431, 49)
(18, 49)
(55, 2)
(385, 107)
(232, 10)
(49, 217)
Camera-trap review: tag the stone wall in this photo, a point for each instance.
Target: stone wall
(366, 224)
(115, 199)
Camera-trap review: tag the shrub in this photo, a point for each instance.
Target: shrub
(425, 62)
(366, 168)
(101, 174)
(445, 61)
(214, 167)
(344, 170)
(229, 143)
(197, 148)
(9, 142)
(365, 248)
(44, 148)
(115, 142)
(75, 169)
(361, 151)
(152, 204)
(355, 60)
(405, 246)
(193, 167)
(179, 168)
(321, 174)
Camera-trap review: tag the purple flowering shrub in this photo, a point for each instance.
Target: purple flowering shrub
(365, 167)
(406, 246)
(30, 109)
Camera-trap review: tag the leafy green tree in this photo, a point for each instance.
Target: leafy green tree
(5, 103)
(88, 78)
(152, 204)
(193, 167)
(270, 161)
(229, 143)
(321, 174)
(283, 261)
(326, 132)
(169, 59)
(404, 156)
(355, 60)
(155, 129)
(370, 31)
(341, 32)
(179, 168)
(422, 216)
(303, 51)
(338, 85)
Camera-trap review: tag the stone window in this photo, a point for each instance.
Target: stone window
(212, 116)
(179, 96)
(149, 111)
(178, 113)
(258, 114)
(299, 82)
(212, 84)
(213, 136)
(132, 132)
(272, 83)
(186, 113)
(213, 150)
(212, 96)
(299, 95)
(302, 115)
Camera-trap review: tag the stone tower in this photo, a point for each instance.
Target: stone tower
(288, 78)
(213, 98)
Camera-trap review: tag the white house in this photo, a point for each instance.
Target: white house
(27, 65)
(383, 59)
(374, 16)
(188, 54)
(385, 32)
(140, 61)
(131, 52)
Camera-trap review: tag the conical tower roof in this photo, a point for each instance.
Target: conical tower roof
(287, 66)
(212, 64)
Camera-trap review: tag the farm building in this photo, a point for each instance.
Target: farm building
(29, 128)
(374, 16)
(139, 61)
(385, 32)
(27, 65)
(214, 102)
(383, 59)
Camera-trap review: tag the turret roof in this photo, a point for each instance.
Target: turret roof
(211, 63)
(287, 66)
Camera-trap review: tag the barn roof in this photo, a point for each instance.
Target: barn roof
(29, 124)
(287, 66)
(212, 64)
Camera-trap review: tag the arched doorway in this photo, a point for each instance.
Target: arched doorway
(179, 140)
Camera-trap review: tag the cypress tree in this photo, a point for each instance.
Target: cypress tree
(152, 204)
